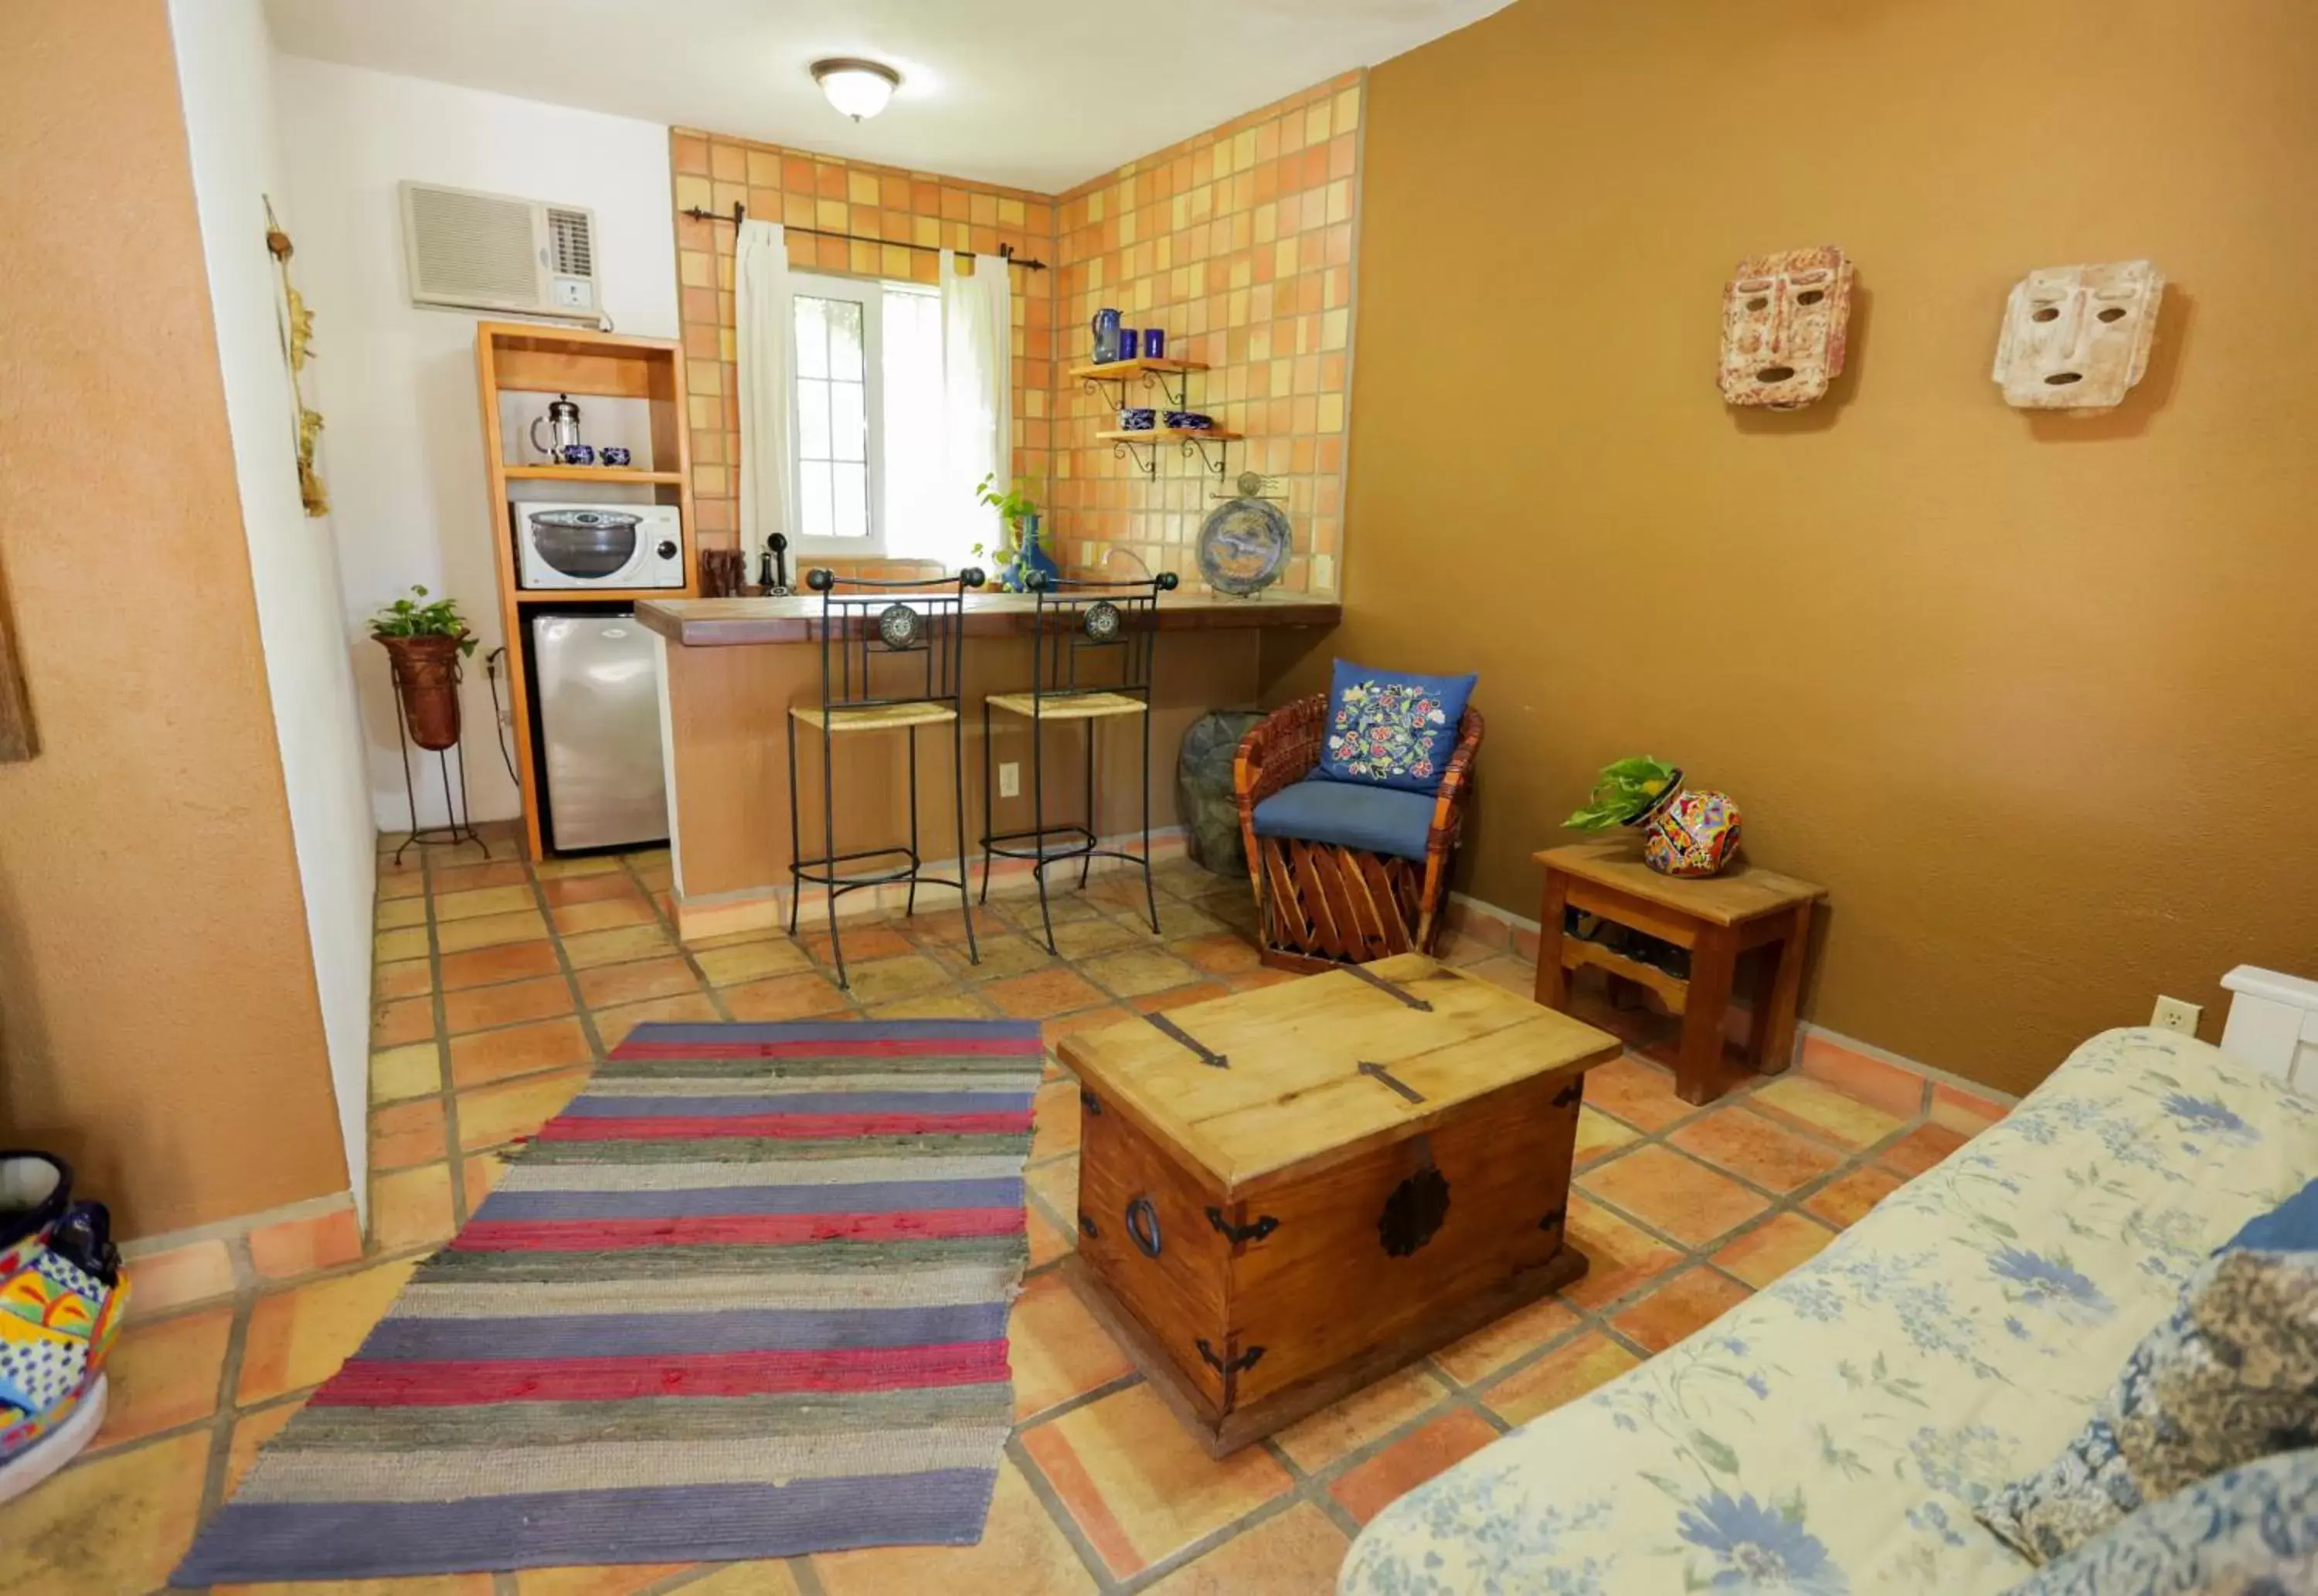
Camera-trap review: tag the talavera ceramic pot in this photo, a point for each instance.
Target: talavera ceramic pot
(1688, 831)
(62, 1293)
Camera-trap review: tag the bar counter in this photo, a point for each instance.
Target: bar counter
(731, 670)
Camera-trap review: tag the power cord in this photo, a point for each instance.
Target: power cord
(492, 661)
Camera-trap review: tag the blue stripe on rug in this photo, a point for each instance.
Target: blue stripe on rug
(667, 1033)
(262, 1541)
(802, 1102)
(863, 1196)
(647, 1335)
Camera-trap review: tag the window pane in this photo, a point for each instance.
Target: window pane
(844, 339)
(851, 484)
(813, 487)
(813, 420)
(811, 337)
(849, 427)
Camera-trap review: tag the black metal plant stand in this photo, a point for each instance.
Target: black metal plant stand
(461, 827)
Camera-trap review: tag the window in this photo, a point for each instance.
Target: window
(869, 419)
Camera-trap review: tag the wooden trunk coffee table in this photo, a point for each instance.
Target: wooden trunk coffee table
(1288, 1194)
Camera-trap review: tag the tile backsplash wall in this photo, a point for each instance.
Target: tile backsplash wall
(1237, 243)
(802, 190)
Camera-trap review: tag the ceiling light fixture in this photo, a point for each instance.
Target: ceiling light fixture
(858, 88)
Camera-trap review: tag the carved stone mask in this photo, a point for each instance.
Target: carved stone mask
(1783, 320)
(2076, 337)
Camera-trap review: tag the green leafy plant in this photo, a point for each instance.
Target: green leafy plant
(1014, 507)
(408, 617)
(1623, 789)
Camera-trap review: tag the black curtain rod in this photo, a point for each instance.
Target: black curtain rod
(741, 213)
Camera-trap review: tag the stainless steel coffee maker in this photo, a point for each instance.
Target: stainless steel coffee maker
(562, 420)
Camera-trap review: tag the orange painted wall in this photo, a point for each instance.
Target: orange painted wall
(2033, 696)
(158, 1022)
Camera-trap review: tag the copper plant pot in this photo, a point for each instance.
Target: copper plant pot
(427, 672)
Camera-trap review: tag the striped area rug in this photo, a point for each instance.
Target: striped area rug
(745, 1298)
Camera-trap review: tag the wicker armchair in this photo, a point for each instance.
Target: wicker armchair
(1320, 904)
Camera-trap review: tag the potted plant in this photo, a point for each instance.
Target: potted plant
(1025, 547)
(424, 643)
(1692, 831)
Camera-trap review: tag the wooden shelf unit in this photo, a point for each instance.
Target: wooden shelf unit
(526, 357)
(1114, 370)
(1171, 434)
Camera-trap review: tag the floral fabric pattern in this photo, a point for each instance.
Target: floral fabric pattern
(2251, 1531)
(1391, 730)
(2231, 1375)
(1836, 1434)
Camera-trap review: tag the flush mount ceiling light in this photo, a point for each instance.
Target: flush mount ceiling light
(858, 88)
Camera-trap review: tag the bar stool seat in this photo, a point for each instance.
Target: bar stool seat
(882, 717)
(1084, 707)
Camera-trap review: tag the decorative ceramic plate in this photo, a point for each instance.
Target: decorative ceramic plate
(1243, 545)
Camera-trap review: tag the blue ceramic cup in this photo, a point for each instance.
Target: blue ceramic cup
(1155, 344)
(1127, 343)
(613, 455)
(577, 454)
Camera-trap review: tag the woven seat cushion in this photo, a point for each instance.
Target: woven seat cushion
(1349, 814)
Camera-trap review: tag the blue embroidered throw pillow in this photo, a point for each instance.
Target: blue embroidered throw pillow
(2231, 1376)
(1390, 728)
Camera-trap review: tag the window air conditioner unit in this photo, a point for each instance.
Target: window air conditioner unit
(492, 251)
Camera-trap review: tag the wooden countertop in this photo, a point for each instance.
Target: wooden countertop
(723, 623)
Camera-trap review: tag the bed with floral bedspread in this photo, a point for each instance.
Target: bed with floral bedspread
(1832, 1434)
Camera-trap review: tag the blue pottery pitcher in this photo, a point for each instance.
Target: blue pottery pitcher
(1106, 336)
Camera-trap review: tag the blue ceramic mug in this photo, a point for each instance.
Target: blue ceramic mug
(577, 454)
(613, 455)
(1106, 336)
(1155, 344)
(1127, 343)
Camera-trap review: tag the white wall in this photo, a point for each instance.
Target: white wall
(225, 73)
(398, 383)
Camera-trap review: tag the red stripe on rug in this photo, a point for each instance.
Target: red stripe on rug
(898, 1048)
(384, 1385)
(732, 1230)
(785, 1127)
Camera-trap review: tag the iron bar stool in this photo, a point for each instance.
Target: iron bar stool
(1112, 628)
(858, 630)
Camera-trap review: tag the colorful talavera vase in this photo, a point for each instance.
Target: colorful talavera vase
(1688, 831)
(62, 1294)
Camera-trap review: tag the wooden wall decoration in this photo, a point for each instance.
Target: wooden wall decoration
(17, 742)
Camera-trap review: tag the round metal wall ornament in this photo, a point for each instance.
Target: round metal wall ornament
(1413, 1213)
(1101, 621)
(1244, 546)
(897, 625)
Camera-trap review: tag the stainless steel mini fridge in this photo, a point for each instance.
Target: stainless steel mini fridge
(599, 695)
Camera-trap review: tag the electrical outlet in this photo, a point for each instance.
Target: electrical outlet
(1010, 781)
(2174, 1015)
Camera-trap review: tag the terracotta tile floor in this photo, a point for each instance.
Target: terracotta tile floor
(498, 983)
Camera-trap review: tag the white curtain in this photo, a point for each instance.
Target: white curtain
(977, 397)
(761, 316)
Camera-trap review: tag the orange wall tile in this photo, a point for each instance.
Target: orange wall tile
(894, 208)
(1237, 243)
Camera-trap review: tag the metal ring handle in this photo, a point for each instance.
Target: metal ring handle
(1143, 1226)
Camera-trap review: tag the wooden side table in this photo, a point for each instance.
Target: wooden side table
(1716, 920)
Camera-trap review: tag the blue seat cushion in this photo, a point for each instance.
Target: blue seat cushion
(2292, 1226)
(1350, 814)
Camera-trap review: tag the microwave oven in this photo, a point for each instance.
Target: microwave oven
(578, 546)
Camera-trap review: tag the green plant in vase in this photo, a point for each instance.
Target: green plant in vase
(1625, 789)
(1685, 832)
(1024, 546)
(425, 643)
